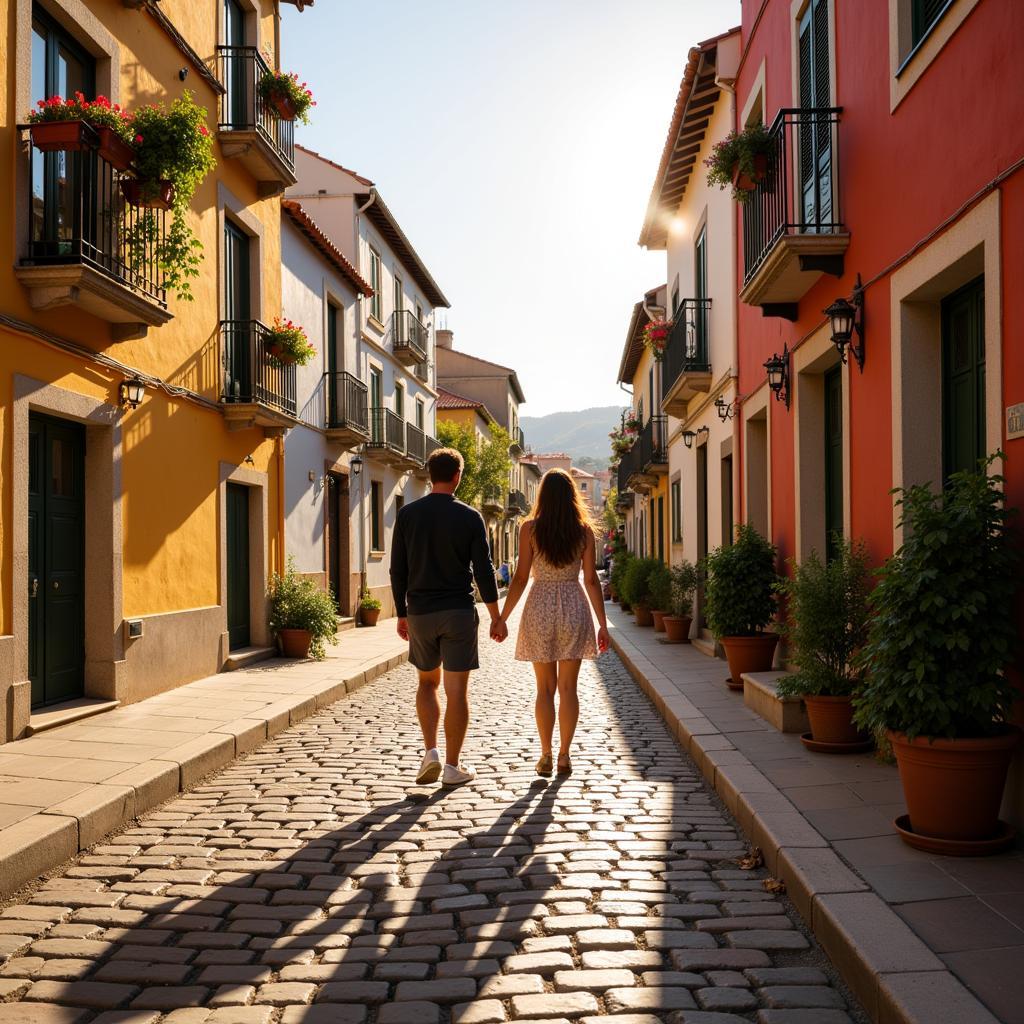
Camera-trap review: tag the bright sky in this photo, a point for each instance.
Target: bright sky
(516, 141)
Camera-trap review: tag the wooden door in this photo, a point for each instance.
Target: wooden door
(237, 314)
(56, 570)
(833, 461)
(338, 540)
(963, 378)
(815, 133)
(238, 566)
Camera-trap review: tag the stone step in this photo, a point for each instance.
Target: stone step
(68, 712)
(346, 622)
(246, 656)
(760, 694)
(704, 644)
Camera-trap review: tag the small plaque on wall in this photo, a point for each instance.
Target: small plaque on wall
(1014, 421)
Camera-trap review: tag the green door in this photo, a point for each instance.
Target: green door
(238, 353)
(963, 378)
(56, 560)
(833, 460)
(236, 101)
(238, 566)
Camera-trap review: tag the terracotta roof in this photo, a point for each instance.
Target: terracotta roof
(333, 163)
(576, 471)
(695, 102)
(450, 400)
(320, 241)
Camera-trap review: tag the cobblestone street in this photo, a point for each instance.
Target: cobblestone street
(311, 882)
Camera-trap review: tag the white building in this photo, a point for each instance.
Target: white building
(392, 355)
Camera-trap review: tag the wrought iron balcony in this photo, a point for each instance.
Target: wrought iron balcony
(408, 338)
(492, 501)
(87, 246)
(415, 444)
(516, 504)
(624, 501)
(792, 227)
(348, 418)
(387, 436)
(259, 389)
(686, 364)
(432, 445)
(249, 128)
(518, 445)
(653, 446)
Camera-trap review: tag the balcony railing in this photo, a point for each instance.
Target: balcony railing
(244, 111)
(408, 338)
(518, 445)
(517, 505)
(799, 193)
(652, 444)
(387, 431)
(626, 469)
(687, 358)
(432, 445)
(79, 218)
(415, 444)
(346, 403)
(492, 500)
(251, 374)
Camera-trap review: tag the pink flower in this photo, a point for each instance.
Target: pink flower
(138, 140)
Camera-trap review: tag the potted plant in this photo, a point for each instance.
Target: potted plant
(679, 618)
(59, 124)
(741, 160)
(943, 633)
(302, 616)
(620, 563)
(286, 343)
(656, 337)
(287, 95)
(827, 617)
(174, 153)
(636, 589)
(740, 597)
(369, 609)
(659, 583)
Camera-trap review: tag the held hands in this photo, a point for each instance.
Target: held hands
(602, 640)
(499, 630)
(403, 629)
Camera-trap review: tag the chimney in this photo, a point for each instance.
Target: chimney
(443, 337)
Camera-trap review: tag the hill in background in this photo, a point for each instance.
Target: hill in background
(583, 434)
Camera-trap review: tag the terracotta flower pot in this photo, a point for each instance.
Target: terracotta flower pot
(61, 136)
(749, 182)
(283, 104)
(831, 720)
(275, 351)
(114, 149)
(369, 616)
(748, 654)
(153, 195)
(953, 788)
(643, 616)
(295, 642)
(659, 620)
(677, 628)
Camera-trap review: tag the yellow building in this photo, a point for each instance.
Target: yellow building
(135, 542)
(643, 471)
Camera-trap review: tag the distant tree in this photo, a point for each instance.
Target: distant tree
(611, 515)
(487, 464)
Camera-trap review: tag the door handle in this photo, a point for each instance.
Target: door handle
(34, 587)
(56, 585)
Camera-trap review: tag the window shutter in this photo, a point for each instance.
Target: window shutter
(924, 14)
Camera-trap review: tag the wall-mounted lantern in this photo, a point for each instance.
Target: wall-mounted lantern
(726, 410)
(778, 375)
(847, 316)
(131, 391)
(356, 465)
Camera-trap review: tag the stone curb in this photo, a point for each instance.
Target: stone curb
(894, 975)
(52, 837)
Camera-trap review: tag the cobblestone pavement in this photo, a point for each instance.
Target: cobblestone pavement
(311, 882)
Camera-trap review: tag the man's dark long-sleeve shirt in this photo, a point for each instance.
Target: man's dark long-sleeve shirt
(439, 545)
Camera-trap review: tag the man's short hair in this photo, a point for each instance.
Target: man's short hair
(443, 464)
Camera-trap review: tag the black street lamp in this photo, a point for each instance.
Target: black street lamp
(845, 317)
(688, 436)
(778, 375)
(356, 465)
(130, 392)
(726, 410)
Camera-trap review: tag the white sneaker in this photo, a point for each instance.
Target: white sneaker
(430, 770)
(457, 775)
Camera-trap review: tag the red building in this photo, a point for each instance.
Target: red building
(901, 127)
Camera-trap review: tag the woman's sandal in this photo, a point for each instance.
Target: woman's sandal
(564, 764)
(545, 766)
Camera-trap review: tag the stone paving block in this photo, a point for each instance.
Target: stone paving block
(756, 938)
(596, 981)
(170, 997)
(570, 1005)
(368, 992)
(632, 959)
(442, 990)
(336, 1013)
(504, 986)
(95, 995)
(127, 1017)
(34, 845)
(649, 1000)
(727, 999)
(410, 1012)
(481, 1011)
(38, 1013)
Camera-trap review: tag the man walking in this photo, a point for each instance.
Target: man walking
(439, 546)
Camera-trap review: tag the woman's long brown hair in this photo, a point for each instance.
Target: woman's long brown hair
(561, 522)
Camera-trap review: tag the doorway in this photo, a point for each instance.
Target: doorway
(963, 379)
(237, 314)
(338, 554)
(239, 624)
(702, 519)
(833, 420)
(726, 488)
(56, 560)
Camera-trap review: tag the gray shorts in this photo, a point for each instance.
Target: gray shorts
(447, 638)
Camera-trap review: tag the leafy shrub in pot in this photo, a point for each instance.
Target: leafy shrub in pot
(827, 618)
(299, 606)
(637, 589)
(659, 583)
(620, 565)
(740, 599)
(369, 609)
(685, 579)
(942, 635)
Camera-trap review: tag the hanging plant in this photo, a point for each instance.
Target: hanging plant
(174, 153)
(656, 337)
(287, 95)
(741, 160)
(632, 425)
(287, 344)
(57, 125)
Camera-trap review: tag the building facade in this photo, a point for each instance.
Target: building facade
(114, 584)
(394, 355)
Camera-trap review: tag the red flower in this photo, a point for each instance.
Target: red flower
(138, 140)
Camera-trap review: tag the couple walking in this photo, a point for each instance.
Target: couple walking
(440, 546)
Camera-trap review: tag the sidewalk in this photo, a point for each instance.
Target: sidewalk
(65, 789)
(914, 935)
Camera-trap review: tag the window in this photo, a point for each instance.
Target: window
(419, 312)
(398, 297)
(399, 503)
(700, 291)
(376, 518)
(677, 511)
(375, 303)
(400, 399)
(924, 14)
(376, 401)
(419, 413)
(333, 337)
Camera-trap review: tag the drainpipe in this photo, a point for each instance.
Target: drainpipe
(280, 505)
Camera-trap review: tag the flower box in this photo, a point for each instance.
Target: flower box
(114, 149)
(284, 105)
(61, 136)
(152, 195)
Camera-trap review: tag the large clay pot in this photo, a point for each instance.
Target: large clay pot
(643, 615)
(831, 720)
(659, 620)
(677, 628)
(283, 104)
(749, 654)
(114, 149)
(369, 616)
(749, 182)
(295, 642)
(953, 788)
(61, 136)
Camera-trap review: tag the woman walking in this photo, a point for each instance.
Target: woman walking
(557, 630)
